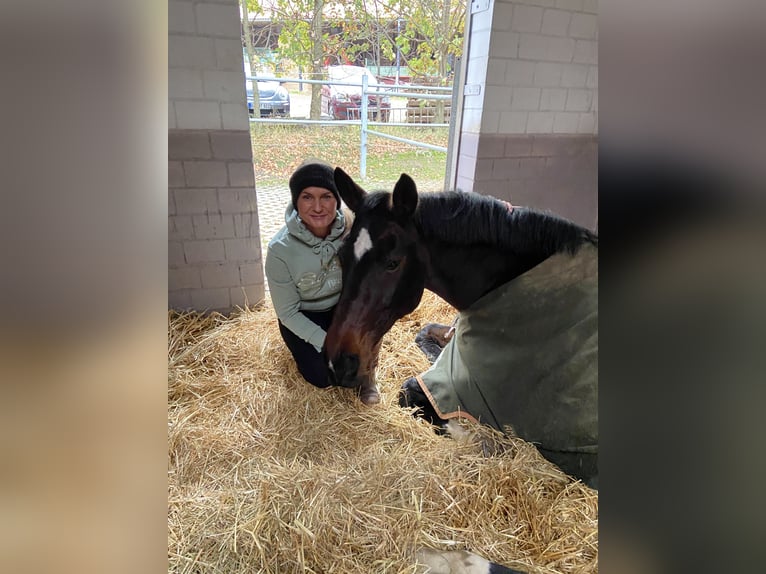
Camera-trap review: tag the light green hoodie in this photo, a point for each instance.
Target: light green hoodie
(304, 274)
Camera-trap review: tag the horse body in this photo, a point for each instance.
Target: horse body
(460, 246)
(463, 274)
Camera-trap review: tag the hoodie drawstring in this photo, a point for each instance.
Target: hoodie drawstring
(326, 251)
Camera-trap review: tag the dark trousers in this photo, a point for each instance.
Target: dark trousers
(310, 363)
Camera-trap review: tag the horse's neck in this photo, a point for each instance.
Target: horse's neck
(462, 275)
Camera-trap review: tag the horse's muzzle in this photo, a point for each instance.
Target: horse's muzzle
(343, 370)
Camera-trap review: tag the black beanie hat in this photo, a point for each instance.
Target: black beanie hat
(314, 174)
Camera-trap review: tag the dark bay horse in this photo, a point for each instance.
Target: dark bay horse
(461, 246)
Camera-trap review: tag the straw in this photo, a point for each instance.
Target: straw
(269, 474)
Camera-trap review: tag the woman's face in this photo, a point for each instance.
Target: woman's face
(316, 208)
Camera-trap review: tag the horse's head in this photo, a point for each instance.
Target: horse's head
(383, 266)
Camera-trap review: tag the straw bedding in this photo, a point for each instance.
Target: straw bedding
(269, 474)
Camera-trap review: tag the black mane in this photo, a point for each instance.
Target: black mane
(376, 199)
(471, 219)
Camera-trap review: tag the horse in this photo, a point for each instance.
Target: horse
(468, 249)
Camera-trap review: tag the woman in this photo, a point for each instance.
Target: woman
(303, 271)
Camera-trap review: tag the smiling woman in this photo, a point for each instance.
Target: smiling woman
(316, 208)
(303, 270)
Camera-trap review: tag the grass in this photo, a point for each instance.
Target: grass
(279, 149)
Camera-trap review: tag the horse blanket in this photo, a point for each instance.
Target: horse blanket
(524, 360)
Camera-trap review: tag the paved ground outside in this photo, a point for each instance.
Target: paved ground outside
(272, 202)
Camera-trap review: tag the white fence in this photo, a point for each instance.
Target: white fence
(413, 116)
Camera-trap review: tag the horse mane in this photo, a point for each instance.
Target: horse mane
(471, 218)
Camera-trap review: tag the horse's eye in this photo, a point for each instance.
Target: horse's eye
(392, 264)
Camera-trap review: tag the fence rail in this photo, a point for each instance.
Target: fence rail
(426, 115)
(405, 140)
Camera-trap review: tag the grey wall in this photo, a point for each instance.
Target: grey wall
(530, 134)
(214, 249)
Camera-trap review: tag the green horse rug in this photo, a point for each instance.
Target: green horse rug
(524, 360)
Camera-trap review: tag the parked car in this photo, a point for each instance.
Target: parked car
(344, 102)
(273, 98)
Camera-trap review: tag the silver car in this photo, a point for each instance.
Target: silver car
(273, 98)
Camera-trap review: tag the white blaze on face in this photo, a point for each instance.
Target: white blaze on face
(362, 244)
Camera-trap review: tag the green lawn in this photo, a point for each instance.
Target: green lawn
(279, 149)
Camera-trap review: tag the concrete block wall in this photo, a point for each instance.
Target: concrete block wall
(214, 248)
(534, 140)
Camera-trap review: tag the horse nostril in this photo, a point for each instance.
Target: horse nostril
(344, 369)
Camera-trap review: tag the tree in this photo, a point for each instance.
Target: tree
(302, 40)
(439, 27)
(316, 59)
(433, 35)
(308, 36)
(251, 6)
(313, 33)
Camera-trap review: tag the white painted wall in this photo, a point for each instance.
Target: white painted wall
(537, 64)
(529, 133)
(477, 69)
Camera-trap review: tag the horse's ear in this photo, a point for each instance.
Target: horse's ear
(349, 191)
(405, 196)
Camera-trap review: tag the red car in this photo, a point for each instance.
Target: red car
(344, 102)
